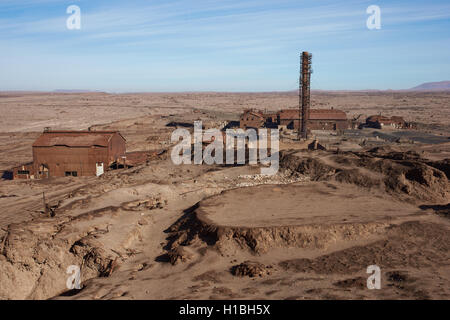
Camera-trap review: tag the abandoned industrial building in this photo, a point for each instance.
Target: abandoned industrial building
(327, 119)
(251, 119)
(76, 153)
(304, 119)
(319, 119)
(72, 153)
(379, 121)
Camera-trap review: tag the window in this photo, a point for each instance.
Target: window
(23, 172)
(71, 174)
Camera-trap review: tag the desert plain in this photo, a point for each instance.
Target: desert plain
(161, 231)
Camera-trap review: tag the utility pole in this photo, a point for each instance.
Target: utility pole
(304, 94)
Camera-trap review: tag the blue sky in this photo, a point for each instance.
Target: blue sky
(221, 45)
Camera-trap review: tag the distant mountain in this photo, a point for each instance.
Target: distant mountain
(433, 86)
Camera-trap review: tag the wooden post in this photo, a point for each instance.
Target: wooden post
(45, 204)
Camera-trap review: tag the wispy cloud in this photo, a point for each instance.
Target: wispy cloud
(227, 34)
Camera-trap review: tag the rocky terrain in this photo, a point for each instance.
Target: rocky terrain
(161, 231)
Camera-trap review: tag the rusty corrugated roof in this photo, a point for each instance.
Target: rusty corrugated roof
(75, 138)
(253, 112)
(289, 114)
(327, 114)
(314, 114)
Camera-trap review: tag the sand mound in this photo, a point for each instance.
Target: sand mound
(35, 255)
(412, 244)
(312, 216)
(443, 165)
(404, 175)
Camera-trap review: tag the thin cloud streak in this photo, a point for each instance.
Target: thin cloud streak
(146, 41)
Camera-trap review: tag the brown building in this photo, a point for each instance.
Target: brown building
(327, 119)
(76, 153)
(289, 118)
(271, 117)
(319, 119)
(251, 119)
(380, 121)
(24, 171)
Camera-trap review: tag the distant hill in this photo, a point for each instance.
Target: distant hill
(433, 86)
(73, 91)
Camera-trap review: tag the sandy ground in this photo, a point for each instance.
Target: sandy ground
(300, 204)
(161, 231)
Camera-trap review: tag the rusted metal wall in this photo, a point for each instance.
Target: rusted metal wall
(318, 119)
(289, 118)
(328, 124)
(290, 123)
(62, 159)
(116, 149)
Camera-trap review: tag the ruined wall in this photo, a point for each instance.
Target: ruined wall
(25, 171)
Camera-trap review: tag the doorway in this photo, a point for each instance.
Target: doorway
(100, 169)
(44, 172)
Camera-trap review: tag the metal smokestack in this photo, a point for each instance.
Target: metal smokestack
(304, 94)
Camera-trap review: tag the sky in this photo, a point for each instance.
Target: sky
(221, 45)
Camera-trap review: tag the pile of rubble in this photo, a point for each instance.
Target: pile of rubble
(282, 177)
(251, 269)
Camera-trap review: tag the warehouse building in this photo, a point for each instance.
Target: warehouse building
(379, 121)
(319, 119)
(76, 153)
(327, 119)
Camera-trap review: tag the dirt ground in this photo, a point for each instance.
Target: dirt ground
(161, 231)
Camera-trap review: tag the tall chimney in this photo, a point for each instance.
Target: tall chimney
(304, 94)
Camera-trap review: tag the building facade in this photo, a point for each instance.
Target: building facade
(379, 121)
(289, 118)
(76, 153)
(24, 171)
(319, 119)
(327, 119)
(251, 119)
